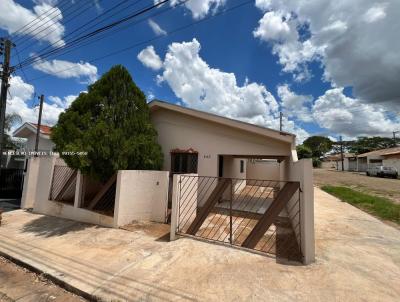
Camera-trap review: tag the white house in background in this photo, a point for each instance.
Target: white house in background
(29, 130)
(385, 157)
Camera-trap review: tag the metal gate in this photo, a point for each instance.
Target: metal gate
(263, 215)
(11, 183)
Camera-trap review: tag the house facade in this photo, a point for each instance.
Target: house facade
(28, 131)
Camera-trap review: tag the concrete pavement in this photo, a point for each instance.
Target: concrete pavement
(358, 259)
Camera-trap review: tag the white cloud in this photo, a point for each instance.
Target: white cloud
(22, 99)
(156, 28)
(351, 117)
(209, 89)
(14, 16)
(149, 58)
(272, 26)
(86, 72)
(295, 105)
(356, 42)
(199, 8)
(64, 102)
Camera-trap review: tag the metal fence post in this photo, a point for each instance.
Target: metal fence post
(230, 214)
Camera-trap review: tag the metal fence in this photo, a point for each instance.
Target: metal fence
(263, 215)
(63, 184)
(11, 183)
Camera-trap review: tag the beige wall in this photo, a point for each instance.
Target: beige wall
(262, 170)
(176, 130)
(141, 196)
(44, 143)
(30, 183)
(392, 162)
(302, 171)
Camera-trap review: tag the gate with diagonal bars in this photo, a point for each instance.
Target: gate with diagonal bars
(263, 215)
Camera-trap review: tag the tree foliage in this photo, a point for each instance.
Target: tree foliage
(111, 122)
(319, 145)
(303, 152)
(11, 119)
(367, 144)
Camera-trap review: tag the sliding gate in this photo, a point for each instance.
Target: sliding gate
(261, 215)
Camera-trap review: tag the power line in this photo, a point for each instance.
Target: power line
(169, 33)
(38, 18)
(82, 28)
(80, 10)
(33, 60)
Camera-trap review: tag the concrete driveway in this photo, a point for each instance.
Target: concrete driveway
(358, 259)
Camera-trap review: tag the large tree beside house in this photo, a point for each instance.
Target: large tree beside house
(111, 122)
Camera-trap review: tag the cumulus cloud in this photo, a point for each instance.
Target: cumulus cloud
(199, 8)
(14, 16)
(85, 72)
(209, 89)
(149, 58)
(295, 105)
(352, 117)
(64, 102)
(156, 28)
(22, 99)
(356, 42)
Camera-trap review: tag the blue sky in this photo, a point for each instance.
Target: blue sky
(268, 47)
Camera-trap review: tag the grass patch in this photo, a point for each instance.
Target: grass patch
(377, 206)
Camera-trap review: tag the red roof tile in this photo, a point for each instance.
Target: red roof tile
(44, 129)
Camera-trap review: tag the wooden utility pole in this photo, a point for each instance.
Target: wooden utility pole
(280, 121)
(341, 152)
(38, 124)
(5, 45)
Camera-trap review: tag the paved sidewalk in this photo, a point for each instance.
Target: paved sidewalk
(358, 259)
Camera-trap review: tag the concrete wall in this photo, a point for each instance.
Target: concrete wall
(176, 130)
(302, 171)
(30, 183)
(262, 170)
(141, 195)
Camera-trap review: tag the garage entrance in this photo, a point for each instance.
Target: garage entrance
(262, 215)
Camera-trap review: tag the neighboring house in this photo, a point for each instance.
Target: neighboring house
(28, 131)
(385, 157)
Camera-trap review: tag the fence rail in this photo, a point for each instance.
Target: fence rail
(239, 212)
(63, 184)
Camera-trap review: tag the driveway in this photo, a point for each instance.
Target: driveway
(384, 187)
(358, 259)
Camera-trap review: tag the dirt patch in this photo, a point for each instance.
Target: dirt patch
(17, 283)
(156, 230)
(384, 187)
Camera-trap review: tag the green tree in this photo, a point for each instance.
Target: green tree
(11, 120)
(319, 145)
(367, 144)
(111, 122)
(303, 152)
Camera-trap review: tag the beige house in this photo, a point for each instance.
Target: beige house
(198, 142)
(213, 165)
(389, 157)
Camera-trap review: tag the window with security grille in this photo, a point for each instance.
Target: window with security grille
(184, 162)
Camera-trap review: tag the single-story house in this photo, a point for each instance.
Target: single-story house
(211, 164)
(384, 157)
(28, 131)
(334, 161)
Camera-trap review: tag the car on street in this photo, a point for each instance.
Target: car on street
(382, 171)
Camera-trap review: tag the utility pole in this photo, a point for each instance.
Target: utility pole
(394, 137)
(5, 75)
(280, 121)
(341, 153)
(38, 124)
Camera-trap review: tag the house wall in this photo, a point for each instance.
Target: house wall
(262, 170)
(392, 161)
(141, 196)
(44, 143)
(30, 183)
(176, 130)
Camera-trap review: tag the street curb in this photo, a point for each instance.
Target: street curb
(55, 280)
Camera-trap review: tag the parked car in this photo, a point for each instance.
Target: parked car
(382, 171)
